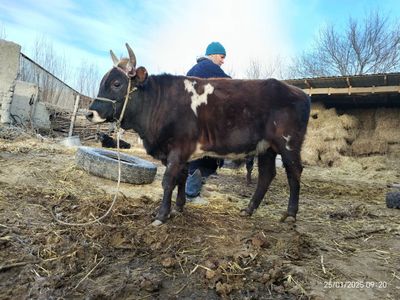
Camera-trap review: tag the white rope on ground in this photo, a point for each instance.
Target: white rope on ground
(129, 91)
(112, 204)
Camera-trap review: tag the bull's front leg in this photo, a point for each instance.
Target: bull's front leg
(174, 167)
(181, 195)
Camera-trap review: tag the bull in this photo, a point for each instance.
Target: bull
(182, 118)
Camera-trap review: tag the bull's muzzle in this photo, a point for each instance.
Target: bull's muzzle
(93, 116)
(89, 115)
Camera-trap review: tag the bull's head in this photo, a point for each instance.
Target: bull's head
(115, 87)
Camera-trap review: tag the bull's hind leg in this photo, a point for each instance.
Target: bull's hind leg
(266, 173)
(292, 163)
(249, 169)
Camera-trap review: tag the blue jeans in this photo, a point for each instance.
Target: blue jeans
(199, 170)
(194, 183)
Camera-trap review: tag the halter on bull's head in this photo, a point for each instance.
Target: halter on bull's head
(116, 88)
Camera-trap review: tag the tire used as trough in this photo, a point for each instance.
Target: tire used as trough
(104, 163)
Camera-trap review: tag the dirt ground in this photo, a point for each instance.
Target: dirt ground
(344, 245)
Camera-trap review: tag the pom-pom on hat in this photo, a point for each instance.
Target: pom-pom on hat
(215, 48)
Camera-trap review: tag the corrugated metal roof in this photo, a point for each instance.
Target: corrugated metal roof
(353, 91)
(388, 79)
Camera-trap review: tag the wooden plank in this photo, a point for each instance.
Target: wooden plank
(353, 90)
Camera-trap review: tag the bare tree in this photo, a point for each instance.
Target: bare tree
(87, 79)
(258, 70)
(254, 70)
(50, 64)
(372, 46)
(45, 55)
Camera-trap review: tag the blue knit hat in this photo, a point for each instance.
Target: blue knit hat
(215, 48)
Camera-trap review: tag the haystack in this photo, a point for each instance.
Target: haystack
(328, 136)
(332, 138)
(388, 125)
(379, 132)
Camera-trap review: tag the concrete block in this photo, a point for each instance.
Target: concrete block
(9, 62)
(25, 107)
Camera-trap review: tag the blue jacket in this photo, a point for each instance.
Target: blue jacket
(205, 68)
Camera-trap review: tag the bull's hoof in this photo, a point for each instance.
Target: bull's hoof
(246, 212)
(176, 211)
(288, 218)
(160, 218)
(157, 223)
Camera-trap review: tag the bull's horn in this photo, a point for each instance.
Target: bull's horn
(132, 57)
(114, 58)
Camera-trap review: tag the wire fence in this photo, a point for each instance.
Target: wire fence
(52, 90)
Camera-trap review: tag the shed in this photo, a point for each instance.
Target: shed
(373, 90)
(352, 116)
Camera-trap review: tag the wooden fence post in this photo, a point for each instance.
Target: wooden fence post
(73, 118)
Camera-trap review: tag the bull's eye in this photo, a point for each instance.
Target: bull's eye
(116, 84)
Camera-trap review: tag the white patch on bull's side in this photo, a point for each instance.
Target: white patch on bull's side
(287, 139)
(261, 147)
(198, 99)
(96, 117)
(275, 123)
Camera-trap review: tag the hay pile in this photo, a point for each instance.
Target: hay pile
(379, 132)
(332, 139)
(329, 136)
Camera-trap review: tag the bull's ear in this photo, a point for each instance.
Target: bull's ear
(141, 74)
(114, 58)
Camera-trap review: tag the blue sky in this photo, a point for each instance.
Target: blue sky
(168, 35)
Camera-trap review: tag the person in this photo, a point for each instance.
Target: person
(206, 67)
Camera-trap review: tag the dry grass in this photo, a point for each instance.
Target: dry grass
(208, 252)
(328, 136)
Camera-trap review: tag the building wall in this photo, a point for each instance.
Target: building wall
(9, 62)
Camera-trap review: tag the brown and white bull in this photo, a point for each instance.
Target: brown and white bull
(183, 118)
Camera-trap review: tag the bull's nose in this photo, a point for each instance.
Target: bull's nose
(89, 115)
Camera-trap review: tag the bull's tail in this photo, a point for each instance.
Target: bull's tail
(303, 109)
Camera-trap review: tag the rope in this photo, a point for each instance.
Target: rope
(112, 204)
(118, 126)
(129, 91)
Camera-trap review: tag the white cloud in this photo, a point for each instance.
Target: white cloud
(166, 35)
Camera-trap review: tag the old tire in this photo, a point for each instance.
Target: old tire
(393, 199)
(104, 163)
